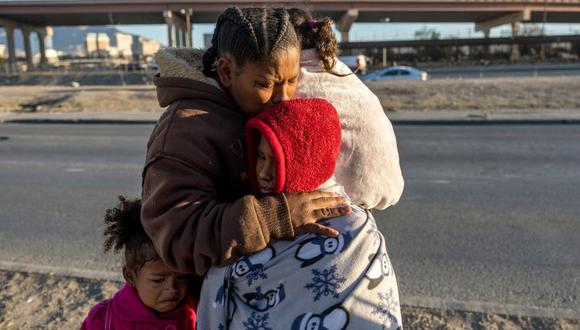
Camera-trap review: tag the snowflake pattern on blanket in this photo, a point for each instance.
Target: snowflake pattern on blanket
(257, 321)
(313, 282)
(386, 309)
(325, 283)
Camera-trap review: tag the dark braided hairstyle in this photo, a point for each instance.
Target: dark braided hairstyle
(125, 231)
(317, 34)
(249, 35)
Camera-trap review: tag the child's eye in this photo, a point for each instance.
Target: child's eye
(265, 85)
(157, 280)
(181, 277)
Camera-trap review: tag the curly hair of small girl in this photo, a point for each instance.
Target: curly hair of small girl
(124, 231)
(317, 34)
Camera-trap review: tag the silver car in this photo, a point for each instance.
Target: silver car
(397, 73)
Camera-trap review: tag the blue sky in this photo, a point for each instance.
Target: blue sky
(362, 31)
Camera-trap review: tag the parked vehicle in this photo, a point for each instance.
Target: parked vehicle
(397, 73)
(356, 62)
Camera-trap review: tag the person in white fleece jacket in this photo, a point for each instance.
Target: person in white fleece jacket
(368, 165)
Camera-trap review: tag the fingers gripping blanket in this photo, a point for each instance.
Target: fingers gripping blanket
(313, 282)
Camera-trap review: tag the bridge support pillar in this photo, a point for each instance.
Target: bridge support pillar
(177, 36)
(344, 24)
(42, 49)
(168, 16)
(11, 48)
(176, 29)
(189, 28)
(515, 54)
(487, 47)
(184, 38)
(28, 50)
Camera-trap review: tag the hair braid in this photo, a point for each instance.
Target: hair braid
(240, 19)
(249, 35)
(212, 53)
(284, 23)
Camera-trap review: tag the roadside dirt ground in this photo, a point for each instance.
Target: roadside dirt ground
(454, 94)
(36, 301)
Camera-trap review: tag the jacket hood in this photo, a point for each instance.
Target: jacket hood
(180, 63)
(304, 135)
(181, 76)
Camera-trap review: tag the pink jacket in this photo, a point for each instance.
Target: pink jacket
(126, 311)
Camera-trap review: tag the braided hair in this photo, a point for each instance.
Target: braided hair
(125, 231)
(249, 35)
(316, 34)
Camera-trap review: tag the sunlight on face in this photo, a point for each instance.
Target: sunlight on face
(265, 167)
(257, 85)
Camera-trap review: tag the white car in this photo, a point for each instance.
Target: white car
(397, 73)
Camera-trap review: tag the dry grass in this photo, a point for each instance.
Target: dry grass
(480, 94)
(69, 99)
(469, 94)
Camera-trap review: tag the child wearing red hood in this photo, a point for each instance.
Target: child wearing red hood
(340, 281)
(154, 296)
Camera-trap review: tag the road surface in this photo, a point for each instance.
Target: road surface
(490, 214)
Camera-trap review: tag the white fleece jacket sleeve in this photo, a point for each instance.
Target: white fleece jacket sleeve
(368, 165)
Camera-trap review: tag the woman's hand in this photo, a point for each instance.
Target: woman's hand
(308, 208)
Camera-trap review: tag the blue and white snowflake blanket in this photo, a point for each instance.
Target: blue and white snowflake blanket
(313, 282)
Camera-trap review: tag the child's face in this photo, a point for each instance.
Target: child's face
(265, 167)
(159, 287)
(257, 85)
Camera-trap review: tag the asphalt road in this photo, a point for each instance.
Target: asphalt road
(490, 214)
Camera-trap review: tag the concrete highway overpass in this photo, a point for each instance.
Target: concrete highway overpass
(103, 12)
(33, 16)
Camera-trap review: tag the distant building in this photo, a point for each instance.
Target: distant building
(122, 45)
(144, 48)
(51, 57)
(97, 43)
(88, 41)
(116, 44)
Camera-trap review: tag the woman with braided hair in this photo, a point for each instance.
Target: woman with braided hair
(196, 203)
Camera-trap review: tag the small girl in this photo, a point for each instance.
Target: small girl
(154, 296)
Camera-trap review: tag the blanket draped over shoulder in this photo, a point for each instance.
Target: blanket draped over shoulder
(313, 282)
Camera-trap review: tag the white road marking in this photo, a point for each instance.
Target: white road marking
(75, 169)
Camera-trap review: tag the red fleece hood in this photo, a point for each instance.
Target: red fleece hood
(304, 135)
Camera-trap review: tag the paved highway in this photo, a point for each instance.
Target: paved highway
(490, 214)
